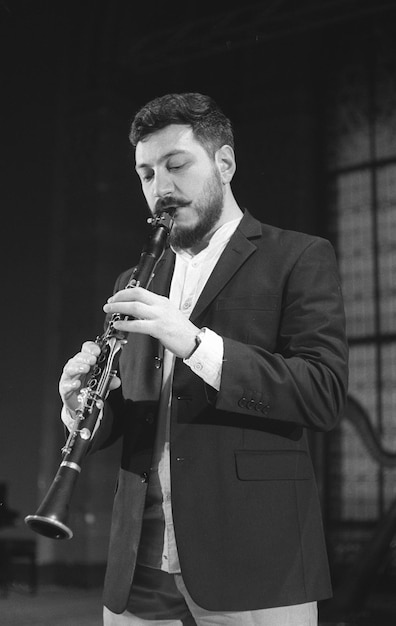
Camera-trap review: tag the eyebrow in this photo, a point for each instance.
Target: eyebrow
(163, 158)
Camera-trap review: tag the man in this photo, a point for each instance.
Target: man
(235, 352)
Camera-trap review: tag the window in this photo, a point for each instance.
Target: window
(362, 192)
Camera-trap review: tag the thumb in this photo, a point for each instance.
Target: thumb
(115, 383)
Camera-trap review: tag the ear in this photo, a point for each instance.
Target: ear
(225, 161)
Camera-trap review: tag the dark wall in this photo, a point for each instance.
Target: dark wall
(28, 78)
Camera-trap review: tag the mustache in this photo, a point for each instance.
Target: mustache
(170, 202)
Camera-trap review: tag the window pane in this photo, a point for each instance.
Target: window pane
(387, 247)
(352, 195)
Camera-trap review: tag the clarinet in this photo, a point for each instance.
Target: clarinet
(50, 519)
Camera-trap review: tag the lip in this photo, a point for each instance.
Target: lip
(176, 211)
(180, 211)
(169, 209)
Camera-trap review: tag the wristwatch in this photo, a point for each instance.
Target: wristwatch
(198, 341)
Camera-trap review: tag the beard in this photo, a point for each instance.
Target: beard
(208, 208)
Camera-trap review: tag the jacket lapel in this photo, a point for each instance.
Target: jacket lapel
(238, 249)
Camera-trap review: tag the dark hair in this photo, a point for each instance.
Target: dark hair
(209, 124)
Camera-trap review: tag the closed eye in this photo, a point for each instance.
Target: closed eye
(172, 168)
(146, 175)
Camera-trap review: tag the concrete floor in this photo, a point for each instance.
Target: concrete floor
(51, 606)
(69, 606)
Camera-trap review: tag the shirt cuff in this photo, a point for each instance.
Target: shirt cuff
(207, 360)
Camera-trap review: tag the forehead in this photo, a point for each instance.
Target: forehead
(175, 138)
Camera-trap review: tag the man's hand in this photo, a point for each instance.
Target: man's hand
(75, 371)
(154, 315)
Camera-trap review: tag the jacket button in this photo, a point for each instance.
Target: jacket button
(251, 404)
(144, 477)
(149, 418)
(243, 402)
(157, 362)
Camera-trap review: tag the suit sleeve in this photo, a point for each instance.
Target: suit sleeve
(304, 380)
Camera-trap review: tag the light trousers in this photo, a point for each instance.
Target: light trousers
(296, 615)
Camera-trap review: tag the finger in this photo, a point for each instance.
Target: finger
(68, 391)
(67, 387)
(136, 326)
(137, 294)
(91, 347)
(115, 383)
(80, 364)
(136, 310)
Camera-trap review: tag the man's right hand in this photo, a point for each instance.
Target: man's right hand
(75, 371)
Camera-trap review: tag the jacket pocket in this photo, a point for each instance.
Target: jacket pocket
(273, 465)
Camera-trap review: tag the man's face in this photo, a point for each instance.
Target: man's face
(176, 172)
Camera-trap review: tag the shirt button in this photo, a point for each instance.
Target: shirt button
(198, 366)
(186, 305)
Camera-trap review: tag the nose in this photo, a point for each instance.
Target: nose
(163, 184)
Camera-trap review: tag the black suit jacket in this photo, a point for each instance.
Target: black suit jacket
(245, 505)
